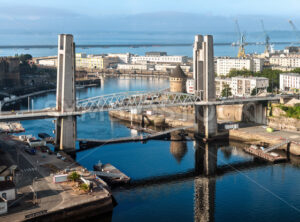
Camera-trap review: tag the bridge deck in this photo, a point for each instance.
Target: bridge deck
(127, 101)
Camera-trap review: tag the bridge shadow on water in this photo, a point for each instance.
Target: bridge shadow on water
(204, 174)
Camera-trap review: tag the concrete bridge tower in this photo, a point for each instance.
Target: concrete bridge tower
(204, 76)
(66, 93)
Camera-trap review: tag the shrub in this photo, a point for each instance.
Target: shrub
(74, 176)
(84, 187)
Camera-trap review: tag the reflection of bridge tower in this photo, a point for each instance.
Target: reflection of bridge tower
(203, 59)
(204, 199)
(205, 158)
(178, 148)
(66, 93)
(205, 165)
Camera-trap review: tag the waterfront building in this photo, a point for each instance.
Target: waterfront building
(45, 61)
(123, 57)
(178, 80)
(159, 59)
(95, 61)
(242, 86)
(225, 64)
(289, 81)
(155, 54)
(135, 66)
(9, 71)
(170, 67)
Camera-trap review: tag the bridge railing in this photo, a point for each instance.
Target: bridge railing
(136, 99)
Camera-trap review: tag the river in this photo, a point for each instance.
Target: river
(260, 193)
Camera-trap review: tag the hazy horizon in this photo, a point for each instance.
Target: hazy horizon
(132, 15)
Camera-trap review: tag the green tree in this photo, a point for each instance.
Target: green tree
(226, 92)
(74, 176)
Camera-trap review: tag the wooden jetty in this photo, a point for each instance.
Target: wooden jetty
(271, 157)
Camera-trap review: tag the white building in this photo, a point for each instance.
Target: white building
(286, 61)
(135, 66)
(221, 83)
(124, 57)
(169, 67)
(190, 86)
(242, 86)
(159, 59)
(289, 81)
(225, 64)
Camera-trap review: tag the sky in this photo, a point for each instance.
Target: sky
(125, 7)
(156, 15)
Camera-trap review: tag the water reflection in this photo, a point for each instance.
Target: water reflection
(204, 199)
(178, 146)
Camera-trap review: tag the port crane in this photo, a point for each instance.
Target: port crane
(241, 43)
(295, 30)
(267, 38)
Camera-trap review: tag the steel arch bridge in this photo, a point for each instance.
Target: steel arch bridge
(136, 99)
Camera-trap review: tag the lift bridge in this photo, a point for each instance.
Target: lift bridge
(116, 101)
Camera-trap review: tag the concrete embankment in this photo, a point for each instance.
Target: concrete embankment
(154, 120)
(64, 201)
(258, 134)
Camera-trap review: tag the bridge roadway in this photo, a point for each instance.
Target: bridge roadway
(10, 100)
(91, 106)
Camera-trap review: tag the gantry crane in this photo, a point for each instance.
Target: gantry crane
(295, 30)
(241, 42)
(267, 38)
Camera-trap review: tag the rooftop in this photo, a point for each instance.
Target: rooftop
(290, 74)
(178, 73)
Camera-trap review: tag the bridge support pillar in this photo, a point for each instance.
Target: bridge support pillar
(66, 93)
(255, 112)
(204, 76)
(66, 130)
(206, 121)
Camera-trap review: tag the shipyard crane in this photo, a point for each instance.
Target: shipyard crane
(295, 30)
(267, 38)
(241, 42)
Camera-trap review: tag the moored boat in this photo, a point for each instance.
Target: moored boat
(110, 174)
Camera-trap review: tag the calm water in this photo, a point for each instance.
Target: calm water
(261, 193)
(140, 38)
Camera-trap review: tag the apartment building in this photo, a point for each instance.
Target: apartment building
(95, 61)
(241, 86)
(224, 65)
(159, 59)
(285, 62)
(289, 81)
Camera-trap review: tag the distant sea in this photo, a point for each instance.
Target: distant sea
(140, 38)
